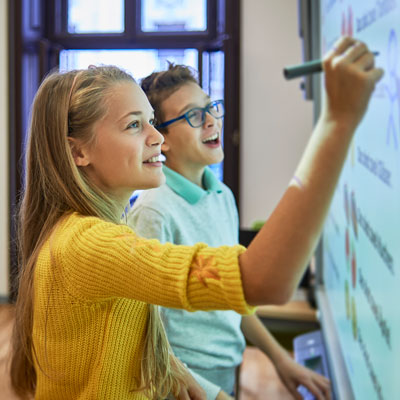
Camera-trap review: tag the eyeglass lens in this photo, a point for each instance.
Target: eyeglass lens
(197, 116)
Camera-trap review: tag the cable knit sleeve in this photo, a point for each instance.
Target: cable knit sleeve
(100, 260)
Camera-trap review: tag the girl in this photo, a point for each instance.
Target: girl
(86, 327)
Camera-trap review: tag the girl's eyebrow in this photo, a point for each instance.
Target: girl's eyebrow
(134, 113)
(131, 113)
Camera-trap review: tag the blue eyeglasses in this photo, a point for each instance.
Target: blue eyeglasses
(196, 116)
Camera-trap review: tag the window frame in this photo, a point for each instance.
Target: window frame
(132, 37)
(207, 35)
(37, 34)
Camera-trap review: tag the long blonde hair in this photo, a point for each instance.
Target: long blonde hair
(68, 105)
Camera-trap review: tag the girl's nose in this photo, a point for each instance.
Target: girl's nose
(155, 138)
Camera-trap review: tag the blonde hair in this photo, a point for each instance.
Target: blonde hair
(68, 105)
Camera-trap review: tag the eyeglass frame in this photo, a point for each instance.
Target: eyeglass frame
(185, 115)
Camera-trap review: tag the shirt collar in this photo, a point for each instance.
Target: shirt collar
(187, 189)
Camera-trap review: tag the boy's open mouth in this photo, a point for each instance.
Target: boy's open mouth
(214, 139)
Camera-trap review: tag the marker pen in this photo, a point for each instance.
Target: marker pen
(309, 67)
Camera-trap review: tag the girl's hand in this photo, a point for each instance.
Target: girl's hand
(293, 375)
(350, 78)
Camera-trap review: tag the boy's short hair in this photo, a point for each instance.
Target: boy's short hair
(158, 86)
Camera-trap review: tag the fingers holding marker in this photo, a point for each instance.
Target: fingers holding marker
(348, 51)
(375, 74)
(340, 47)
(354, 52)
(343, 44)
(350, 78)
(365, 62)
(361, 57)
(351, 52)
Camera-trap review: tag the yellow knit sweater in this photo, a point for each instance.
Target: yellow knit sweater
(92, 283)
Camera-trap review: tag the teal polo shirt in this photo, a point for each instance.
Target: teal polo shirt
(191, 192)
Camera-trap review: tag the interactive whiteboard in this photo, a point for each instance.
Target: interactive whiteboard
(361, 240)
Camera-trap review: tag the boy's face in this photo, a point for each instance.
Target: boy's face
(188, 150)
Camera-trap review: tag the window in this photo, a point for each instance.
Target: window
(139, 63)
(213, 84)
(90, 16)
(76, 33)
(173, 15)
(85, 19)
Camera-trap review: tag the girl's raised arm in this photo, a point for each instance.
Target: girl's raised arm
(274, 262)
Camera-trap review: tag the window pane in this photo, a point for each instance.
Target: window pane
(213, 74)
(91, 16)
(174, 15)
(213, 84)
(139, 63)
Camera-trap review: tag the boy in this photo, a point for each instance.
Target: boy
(193, 206)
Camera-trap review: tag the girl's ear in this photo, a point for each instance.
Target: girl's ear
(79, 153)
